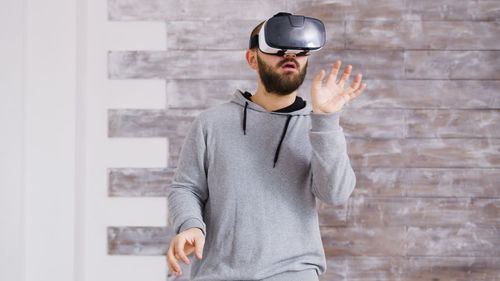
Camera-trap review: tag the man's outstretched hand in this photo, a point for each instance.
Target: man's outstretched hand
(331, 96)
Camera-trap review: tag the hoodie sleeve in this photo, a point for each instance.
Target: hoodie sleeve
(188, 192)
(333, 178)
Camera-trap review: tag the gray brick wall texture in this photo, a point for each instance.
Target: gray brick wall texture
(423, 138)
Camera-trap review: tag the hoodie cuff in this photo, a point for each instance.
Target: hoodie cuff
(321, 122)
(190, 223)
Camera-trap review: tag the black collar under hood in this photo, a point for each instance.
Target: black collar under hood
(241, 99)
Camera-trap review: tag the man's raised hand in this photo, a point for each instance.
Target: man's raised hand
(332, 96)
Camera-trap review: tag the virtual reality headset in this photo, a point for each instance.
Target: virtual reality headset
(286, 33)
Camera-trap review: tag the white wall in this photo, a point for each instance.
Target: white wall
(38, 139)
(54, 97)
(12, 110)
(103, 152)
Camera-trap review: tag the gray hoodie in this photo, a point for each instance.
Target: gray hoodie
(249, 179)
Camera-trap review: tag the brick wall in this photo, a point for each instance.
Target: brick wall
(423, 138)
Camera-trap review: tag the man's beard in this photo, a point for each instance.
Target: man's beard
(282, 84)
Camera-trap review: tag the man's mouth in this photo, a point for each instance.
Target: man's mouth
(289, 66)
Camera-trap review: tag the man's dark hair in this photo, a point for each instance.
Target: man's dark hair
(255, 31)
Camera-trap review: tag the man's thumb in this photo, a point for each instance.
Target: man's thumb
(198, 244)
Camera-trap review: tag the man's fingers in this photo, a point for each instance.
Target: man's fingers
(179, 250)
(349, 94)
(356, 82)
(199, 243)
(359, 90)
(332, 76)
(353, 94)
(318, 78)
(345, 75)
(172, 261)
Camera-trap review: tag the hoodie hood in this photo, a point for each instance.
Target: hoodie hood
(249, 106)
(239, 99)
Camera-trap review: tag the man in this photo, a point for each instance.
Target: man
(243, 195)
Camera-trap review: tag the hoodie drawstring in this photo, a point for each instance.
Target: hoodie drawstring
(245, 119)
(281, 140)
(282, 135)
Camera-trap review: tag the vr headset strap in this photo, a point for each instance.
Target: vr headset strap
(254, 41)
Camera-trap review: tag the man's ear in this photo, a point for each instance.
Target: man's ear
(251, 56)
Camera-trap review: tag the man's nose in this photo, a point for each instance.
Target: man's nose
(289, 55)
